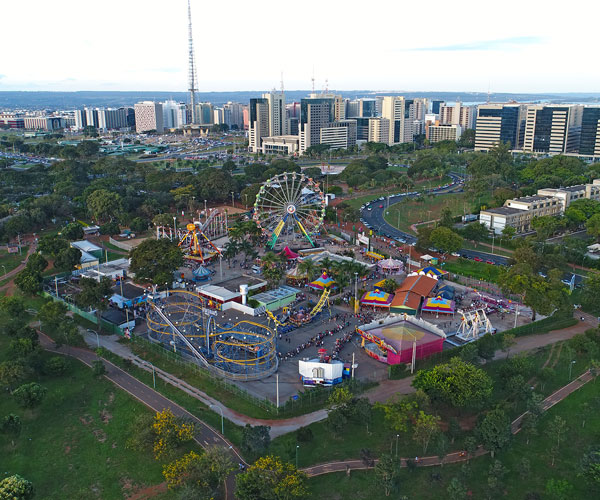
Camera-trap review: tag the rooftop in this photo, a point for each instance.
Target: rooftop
(233, 284)
(530, 199)
(277, 294)
(503, 211)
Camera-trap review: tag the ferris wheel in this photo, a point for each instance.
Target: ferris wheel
(289, 204)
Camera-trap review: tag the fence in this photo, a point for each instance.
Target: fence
(120, 244)
(105, 325)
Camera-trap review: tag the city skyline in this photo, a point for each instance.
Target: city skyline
(143, 46)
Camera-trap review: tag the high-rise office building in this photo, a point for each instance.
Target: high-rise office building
(315, 114)
(339, 104)
(367, 108)
(552, 129)
(589, 143)
(80, 119)
(277, 113)
(258, 126)
(499, 123)
(353, 109)
(174, 114)
(379, 129)
(204, 113)
(91, 117)
(437, 133)
(458, 114)
(111, 118)
(148, 116)
(233, 115)
(403, 115)
(435, 106)
(339, 134)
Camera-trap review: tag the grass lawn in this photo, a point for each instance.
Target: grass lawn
(431, 482)
(73, 444)
(474, 269)
(326, 447)
(8, 261)
(113, 247)
(484, 248)
(424, 209)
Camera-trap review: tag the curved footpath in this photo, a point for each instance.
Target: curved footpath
(207, 436)
(19, 268)
(384, 391)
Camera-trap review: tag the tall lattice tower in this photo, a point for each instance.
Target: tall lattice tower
(192, 66)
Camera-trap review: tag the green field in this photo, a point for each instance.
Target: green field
(8, 261)
(425, 208)
(73, 444)
(432, 482)
(474, 269)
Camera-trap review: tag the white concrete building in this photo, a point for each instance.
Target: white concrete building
(148, 116)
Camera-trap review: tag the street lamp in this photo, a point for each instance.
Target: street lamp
(175, 225)
(355, 292)
(4, 267)
(174, 345)
(397, 436)
(220, 410)
(97, 339)
(153, 376)
(297, 446)
(570, 368)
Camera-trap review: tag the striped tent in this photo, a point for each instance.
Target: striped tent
(438, 305)
(322, 282)
(376, 298)
(431, 271)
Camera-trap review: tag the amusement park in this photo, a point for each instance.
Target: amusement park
(275, 302)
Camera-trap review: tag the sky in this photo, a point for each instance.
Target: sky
(435, 45)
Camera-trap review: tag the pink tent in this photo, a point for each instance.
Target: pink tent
(288, 253)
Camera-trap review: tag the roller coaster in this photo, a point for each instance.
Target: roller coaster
(241, 351)
(300, 318)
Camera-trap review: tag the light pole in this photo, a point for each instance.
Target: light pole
(570, 368)
(297, 446)
(232, 203)
(204, 208)
(174, 345)
(4, 267)
(175, 226)
(493, 240)
(97, 339)
(153, 376)
(355, 292)
(221, 411)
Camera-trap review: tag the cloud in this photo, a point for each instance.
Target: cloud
(482, 45)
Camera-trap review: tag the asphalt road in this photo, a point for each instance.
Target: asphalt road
(374, 217)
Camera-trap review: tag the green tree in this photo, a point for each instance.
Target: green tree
(98, 368)
(445, 239)
(155, 260)
(12, 305)
(11, 425)
(36, 263)
(590, 468)
(72, 231)
(104, 205)
(494, 430)
(56, 366)
(446, 218)
(51, 314)
(496, 474)
(390, 285)
(138, 225)
(426, 427)
(456, 490)
(387, 472)
(591, 290)
(255, 439)
(67, 259)
(557, 430)
(52, 245)
(271, 479)
(16, 487)
(12, 372)
(457, 383)
(29, 282)
(559, 489)
(592, 226)
(95, 294)
(29, 395)
(529, 426)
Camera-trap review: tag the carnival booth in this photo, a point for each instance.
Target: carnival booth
(295, 276)
(438, 305)
(322, 282)
(391, 266)
(401, 341)
(377, 298)
(374, 255)
(432, 272)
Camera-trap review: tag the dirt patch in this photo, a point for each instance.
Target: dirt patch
(100, 435)
(105, 416)
(468, 423)
(148, 492)
(86, 419)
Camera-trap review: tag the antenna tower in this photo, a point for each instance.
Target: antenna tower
(192, 66)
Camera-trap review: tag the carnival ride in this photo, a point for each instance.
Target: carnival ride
(300, 317)
(241, 351)
(473, 325)
(195, 238)
(288, 204)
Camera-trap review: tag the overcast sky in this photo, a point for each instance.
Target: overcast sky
(465, 45)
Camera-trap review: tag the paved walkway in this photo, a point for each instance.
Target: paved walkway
(19, 268)
(384, 391)
(456, 456)
(205, 435)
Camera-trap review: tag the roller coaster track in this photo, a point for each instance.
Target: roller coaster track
(322, 301)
